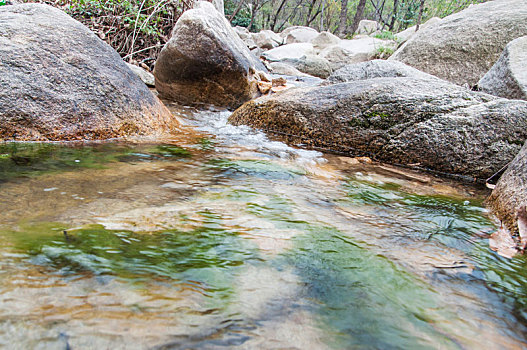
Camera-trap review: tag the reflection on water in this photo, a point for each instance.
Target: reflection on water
(221, 238)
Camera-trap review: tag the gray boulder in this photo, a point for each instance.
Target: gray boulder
(300, 35)
(59, 81)
(427, 123)
(354, 51)
(312, 65)
(376, 69)
(464, 46)
(205, 61)
(406, 34)
(291, 51)
(267, 39)
(145, 76)
(324, 40)
(285, 69)
(508, 77)
(367, 27)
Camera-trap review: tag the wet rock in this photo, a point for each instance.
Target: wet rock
(205, 61)
(300, 35)
(367, 27)
(291, 51)
(59, 81)
(430, 123)
(406, 34)
(146, 77)
(464, 46)
(324, 40)
(508, 77)
(376, 69)
(353, 51)
(510, 193)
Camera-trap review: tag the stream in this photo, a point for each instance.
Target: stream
(223, 238)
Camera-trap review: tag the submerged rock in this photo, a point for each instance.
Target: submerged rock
(462, 47)
(424, 122)
(508, 77)
(205, 61)
(59, 81)
(510, 193)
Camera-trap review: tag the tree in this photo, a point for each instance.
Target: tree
(343, 17)
(358, 16)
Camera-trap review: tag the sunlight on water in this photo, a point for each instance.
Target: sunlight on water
(222, 238)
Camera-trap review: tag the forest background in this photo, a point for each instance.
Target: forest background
(138, 29)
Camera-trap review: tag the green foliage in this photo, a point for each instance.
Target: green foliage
(2, 2)
(385, 35)
(383, 52)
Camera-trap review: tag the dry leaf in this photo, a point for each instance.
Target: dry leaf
(501, 242)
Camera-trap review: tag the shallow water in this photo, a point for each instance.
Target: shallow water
(221, 238)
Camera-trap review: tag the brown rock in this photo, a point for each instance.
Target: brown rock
(59, 81)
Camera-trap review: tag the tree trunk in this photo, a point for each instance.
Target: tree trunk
(358, 16)
(420, 17)
(343, 17)
(394, 16)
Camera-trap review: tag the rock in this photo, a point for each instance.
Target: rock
(290, 51)
(430, 123)
(285, 69)
(464, 46)
(376, 69)
(205, 61)
(59, 81)
(367, 27)
(266, 40)
(146, 77)
(242, 32)
(219, 6)
(353, 51)
(508, 77)
(312, 65)
(300, 35)
(406, 34)
(324, 40)
(510, 193)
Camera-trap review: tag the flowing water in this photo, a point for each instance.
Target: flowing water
(221, 238)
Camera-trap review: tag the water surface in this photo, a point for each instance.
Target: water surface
(221, 238)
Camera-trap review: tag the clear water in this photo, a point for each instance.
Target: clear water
(221, 238)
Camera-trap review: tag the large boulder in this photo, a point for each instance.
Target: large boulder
(430, 123)
(267, 39)
(300, 35)
(59, 81)
(510, 193)
(508, 77)
(464, 46)
(354, 51)
(406, 34)
(376, 69)
(291, 51)
(324, 40)
(205, 61)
